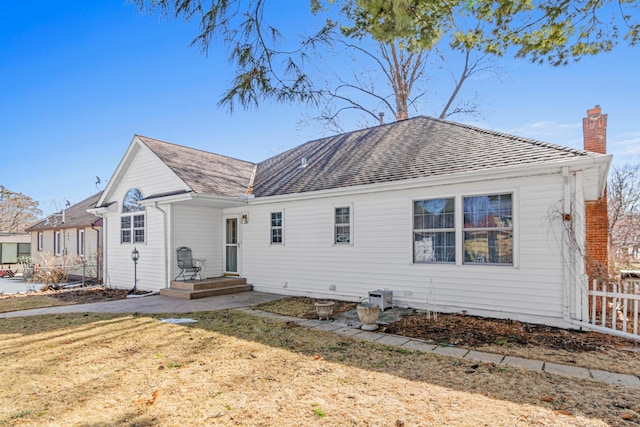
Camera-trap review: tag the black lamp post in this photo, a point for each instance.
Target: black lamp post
(135, 255)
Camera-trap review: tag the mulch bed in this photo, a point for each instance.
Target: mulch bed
(76, 296)
(89, 295)
(464, 330)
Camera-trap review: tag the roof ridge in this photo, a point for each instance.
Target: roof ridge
(345, 135)
(532, 141)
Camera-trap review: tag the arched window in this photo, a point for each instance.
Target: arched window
(132, 222)
(132, 201)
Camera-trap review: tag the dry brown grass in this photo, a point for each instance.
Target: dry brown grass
(52, 298)
(232, 368)
(16, 303)
(587, 350)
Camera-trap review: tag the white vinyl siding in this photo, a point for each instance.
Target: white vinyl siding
(151, 270)
(382, 259)
(146, 172)
(199, 228)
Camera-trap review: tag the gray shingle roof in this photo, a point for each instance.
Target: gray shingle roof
(413, 148)
(75, 216)
(203, 172)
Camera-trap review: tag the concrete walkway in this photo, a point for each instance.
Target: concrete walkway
(156, 304)
(243, 301)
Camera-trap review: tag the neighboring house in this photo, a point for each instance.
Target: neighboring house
(447, 216)
(13, 247)
(71, 237)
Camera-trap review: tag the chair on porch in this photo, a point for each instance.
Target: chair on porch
(186, 264)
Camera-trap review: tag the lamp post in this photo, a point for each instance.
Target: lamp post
(135, 255)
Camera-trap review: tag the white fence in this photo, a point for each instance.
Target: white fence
(615, 307)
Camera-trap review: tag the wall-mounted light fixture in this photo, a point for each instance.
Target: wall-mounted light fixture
(245, 218)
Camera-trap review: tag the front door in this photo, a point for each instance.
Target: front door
(231, 247)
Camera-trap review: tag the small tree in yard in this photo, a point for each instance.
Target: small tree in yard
(623, 193)
(17, 211)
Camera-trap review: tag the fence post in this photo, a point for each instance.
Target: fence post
(636, 288)
(594, 301)
(603, 305)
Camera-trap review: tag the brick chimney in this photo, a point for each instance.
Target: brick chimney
(594, 128)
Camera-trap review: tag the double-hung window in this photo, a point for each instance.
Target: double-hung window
(276, 234)
(342, 225)
(488, 229)
(80, 245)
(434, 234)
(57, 242)
(40, 240)
(132, 221)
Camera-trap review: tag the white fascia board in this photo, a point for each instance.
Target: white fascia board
(168, 199)
(597, 170)
(205, 199)
(549, 168)
(98, 211)
(115, 178)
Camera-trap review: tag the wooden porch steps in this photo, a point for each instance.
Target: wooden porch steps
(193, 289)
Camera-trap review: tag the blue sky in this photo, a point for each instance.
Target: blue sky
(79, 78)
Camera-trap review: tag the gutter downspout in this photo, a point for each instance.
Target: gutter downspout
(104, 248)
(98, 251)
(567, 225)
(166, 249)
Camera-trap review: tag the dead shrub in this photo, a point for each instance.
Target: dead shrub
(53, 271)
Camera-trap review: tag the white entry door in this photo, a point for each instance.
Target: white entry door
(231, 252)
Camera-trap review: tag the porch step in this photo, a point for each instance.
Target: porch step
(193, 289)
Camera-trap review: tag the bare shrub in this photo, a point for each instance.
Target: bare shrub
(53, 271)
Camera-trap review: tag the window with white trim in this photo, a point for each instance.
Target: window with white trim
(342, 225)
(276, 234)
(132, 221)
(80, 245)
(488, 229)
(57, 243)
(434, 233)
(40, 240)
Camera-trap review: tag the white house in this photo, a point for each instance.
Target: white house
(446, 216)
(71, 237)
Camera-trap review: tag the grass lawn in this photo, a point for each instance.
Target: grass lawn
(51, 298)
(232, 368)
(10, 303)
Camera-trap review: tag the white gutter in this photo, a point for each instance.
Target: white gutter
(98, 211)
(166, 248)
